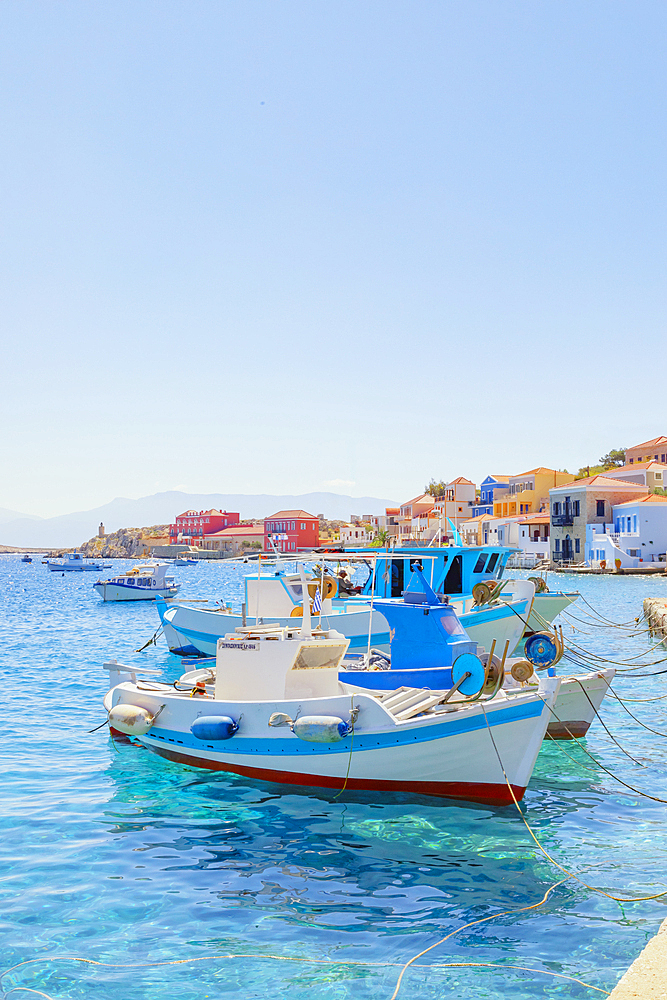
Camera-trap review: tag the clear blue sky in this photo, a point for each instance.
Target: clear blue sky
(281, 247)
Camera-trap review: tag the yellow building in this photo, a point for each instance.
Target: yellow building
(529, 492)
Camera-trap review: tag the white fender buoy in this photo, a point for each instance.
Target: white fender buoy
(320, 728)
(131, 719)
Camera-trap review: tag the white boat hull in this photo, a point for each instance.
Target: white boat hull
(449, 754)
(116, 592)
(195, 627)
(548, 606)
(82, 568)
(578, 702)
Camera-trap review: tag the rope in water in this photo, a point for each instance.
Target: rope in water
(153, 639)
(639, 721)
(604, 725)
(313, 961)
(578, 742)
(627, 624)
(617, 899)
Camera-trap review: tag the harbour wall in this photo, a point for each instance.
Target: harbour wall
(646, 979)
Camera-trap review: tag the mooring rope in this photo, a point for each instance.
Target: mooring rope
(577, 741)
(321, 961)
(604, 726)
(639, 721)
(153, 639)
(617, 899)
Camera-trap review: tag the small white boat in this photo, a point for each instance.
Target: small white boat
(307, 730)
(76, 563)
(142, 583)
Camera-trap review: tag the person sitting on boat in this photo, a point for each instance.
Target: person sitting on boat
(345, 587)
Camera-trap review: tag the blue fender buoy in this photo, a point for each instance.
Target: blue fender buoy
(214, 727)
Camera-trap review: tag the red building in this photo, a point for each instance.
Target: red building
(291, 531)
(194, 525)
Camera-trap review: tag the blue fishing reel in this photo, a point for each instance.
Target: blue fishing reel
(543, 650)
(468, 663)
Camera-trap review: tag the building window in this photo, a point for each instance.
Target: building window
(575, 508)
(556, 509)
(577, 545)
(600, 508)
(557, 545)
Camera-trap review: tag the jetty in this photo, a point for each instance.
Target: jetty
(646, 979)
(655, 611)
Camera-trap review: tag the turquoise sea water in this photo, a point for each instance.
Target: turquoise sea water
(114, 855)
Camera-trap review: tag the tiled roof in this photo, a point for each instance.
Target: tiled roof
(647, 498)
(649, 444)
(239, 529)
(420, 499)
(476, 520)
(599, 480)
(541, 518)
(460, 481)
(291, 513)
(635, 466)
(532, 472)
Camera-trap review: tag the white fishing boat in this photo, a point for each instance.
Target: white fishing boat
(145, 582)
(427, 636)
(277, 597)
(278, 712)
(76, 563)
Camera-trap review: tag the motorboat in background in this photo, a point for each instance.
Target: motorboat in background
(145, 582)
(76, 563)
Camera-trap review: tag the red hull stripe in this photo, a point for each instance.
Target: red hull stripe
(567, 730)
(496, 795)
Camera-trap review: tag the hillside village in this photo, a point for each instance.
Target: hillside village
(614, 517)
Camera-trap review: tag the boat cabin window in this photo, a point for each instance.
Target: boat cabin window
(397, 573)
(453, 582)
(492, 562)
(479, 565)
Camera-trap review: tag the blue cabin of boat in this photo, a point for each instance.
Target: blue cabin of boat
(450, 570)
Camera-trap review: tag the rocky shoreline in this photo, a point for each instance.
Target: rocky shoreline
(126, 543)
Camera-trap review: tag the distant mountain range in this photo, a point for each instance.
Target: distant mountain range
(162, 508)
(15, 515)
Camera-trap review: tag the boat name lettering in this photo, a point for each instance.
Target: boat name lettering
(239, 645)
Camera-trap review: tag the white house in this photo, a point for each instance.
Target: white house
(355, 534)
(534, 536)
(637, 535)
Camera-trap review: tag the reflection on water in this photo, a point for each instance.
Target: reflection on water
(113, 854)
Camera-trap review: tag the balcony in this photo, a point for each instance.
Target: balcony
(562, 520)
